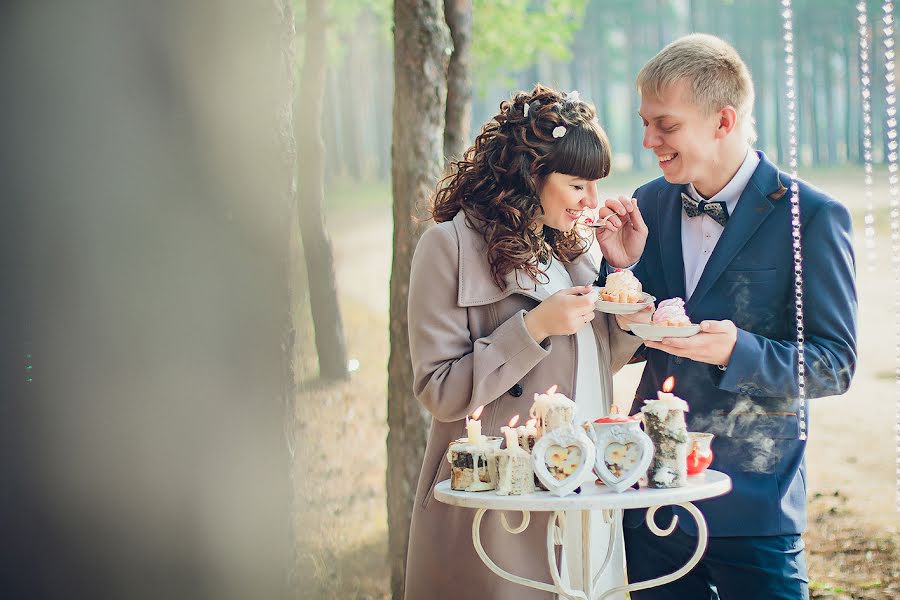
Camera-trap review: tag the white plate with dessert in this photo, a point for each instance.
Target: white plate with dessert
(655, 333)
(624, 308)
(622, 294)
(669, 320)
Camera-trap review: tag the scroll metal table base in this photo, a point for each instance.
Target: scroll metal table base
(555, 536)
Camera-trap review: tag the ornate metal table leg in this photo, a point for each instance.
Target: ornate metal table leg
(586, 580)
(702, 540)
(559, 588)
(610, 517)
(553, 540)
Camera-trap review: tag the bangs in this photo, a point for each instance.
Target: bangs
(583, 152)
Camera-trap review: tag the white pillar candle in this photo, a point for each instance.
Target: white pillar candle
(512, 438)
(511, 433)
(473, 429)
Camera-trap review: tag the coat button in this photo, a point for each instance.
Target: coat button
(515, 391)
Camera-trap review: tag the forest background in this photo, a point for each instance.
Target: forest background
(597, 47)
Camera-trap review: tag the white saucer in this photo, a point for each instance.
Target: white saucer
(655, 333)
(623, 308)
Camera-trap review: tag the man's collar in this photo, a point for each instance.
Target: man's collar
(731, 193)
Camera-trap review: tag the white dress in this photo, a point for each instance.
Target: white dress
(589, 405)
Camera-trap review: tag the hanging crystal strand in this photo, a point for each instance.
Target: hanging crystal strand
(865, 81)
(787, 15)
(891, 128)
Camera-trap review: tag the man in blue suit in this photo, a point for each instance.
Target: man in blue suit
(715, 229)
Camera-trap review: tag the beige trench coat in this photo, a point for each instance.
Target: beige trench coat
(470, 347)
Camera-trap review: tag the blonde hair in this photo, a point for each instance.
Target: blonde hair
(714, 71)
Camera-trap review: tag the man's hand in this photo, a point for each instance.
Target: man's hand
(623, 238)
(642, 316)
(713, 345)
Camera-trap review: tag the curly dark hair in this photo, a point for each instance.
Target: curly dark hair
(498, 179)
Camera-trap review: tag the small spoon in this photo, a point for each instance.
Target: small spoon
(600, 223)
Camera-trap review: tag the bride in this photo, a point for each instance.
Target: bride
(500, 308)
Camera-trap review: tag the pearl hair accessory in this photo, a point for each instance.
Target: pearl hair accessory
(559, 131)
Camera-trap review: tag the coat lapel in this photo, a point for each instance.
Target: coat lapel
(669, 219)
(753, 208)
(476, 287)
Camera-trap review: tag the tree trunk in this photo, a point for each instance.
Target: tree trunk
(850, 83)
(352, 151)
(335, 163)
(458, 14)
(326, 313)
(752, 45)
(831, 123)
(420, 90)
(635, 131)
(693, 16)
(779, 104)
(384, 91)
(815, 114)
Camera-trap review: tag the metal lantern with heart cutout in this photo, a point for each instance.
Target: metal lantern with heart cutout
(623, 451)
(562, 459)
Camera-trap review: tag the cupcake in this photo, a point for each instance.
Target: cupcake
(622, 286)
(671, 313)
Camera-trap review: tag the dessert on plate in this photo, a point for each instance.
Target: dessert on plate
(670, 313)
(622, 286)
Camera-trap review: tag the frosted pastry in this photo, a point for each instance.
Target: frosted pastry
(622, 286)
(671, 313)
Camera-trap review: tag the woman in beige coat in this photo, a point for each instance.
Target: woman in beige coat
(486, 331)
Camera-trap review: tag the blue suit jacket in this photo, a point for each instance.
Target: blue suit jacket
(752, 406)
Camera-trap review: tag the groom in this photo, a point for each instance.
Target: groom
(715, 229)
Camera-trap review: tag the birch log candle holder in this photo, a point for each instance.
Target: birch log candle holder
(665, 425)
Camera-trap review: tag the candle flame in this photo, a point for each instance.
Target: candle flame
(513, 421)
(668, 384)
(531, 423)
(552, 390)
(477, 412)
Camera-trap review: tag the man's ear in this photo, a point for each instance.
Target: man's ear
(727, 121)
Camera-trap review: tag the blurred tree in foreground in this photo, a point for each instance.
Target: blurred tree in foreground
(145, 247)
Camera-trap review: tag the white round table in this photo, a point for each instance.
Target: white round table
(592, 497)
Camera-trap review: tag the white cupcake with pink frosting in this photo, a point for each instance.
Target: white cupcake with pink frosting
(671, 313)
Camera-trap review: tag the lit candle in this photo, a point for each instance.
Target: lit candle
(668, 399)
(512, 437)
(473, 427)
(552, 410)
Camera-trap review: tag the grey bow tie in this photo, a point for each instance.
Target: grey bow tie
(717, 210)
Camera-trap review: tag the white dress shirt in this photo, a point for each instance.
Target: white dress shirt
(700, 234)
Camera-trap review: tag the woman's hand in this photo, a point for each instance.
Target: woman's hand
(563, 313)
(623, 238)
(642, 316)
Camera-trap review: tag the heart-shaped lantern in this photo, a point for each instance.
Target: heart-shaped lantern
(562, 459)
(623, 451)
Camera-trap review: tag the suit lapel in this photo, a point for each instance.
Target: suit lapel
(669, 219)
(753, 208)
